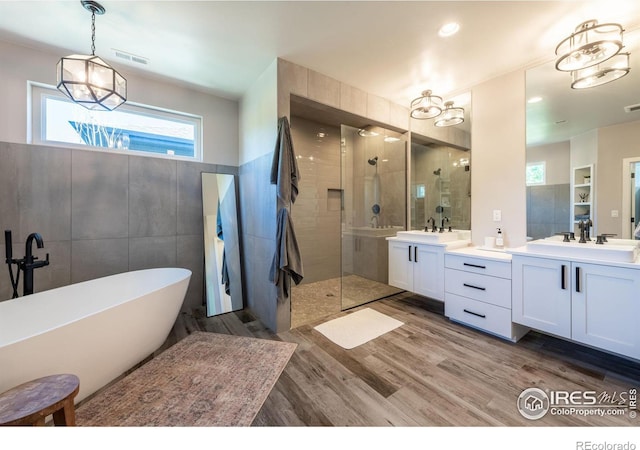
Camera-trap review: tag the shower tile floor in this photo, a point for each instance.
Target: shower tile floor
(313, 301)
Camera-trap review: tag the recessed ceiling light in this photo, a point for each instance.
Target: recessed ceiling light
(449, 29)
(534, 100)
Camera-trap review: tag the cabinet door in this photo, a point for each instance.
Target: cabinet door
(606, 308)
(401, 255)
(542, 294)
(428, 273)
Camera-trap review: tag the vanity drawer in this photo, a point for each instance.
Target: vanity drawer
(491, 318)
(494, 290)
(478, 265)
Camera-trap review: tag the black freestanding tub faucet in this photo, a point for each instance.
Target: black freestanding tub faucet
(29, 263)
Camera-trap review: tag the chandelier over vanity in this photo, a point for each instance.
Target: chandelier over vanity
(429, 106)
(592, 54)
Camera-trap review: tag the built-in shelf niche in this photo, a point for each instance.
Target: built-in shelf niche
(582, 196)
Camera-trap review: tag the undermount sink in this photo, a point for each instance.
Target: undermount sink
(614, 250)
(431, 237)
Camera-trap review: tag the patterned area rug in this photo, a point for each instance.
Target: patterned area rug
(206, 379)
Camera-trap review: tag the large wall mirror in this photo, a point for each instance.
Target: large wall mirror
(440, 181)
(583, 145)
(223, 275)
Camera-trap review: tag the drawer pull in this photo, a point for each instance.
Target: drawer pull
(474, 314)
(474, 287)
(564, 277)
(578, 289)
(409, 253)
(477, 266)
(415, 253)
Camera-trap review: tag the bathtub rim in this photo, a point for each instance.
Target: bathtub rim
(185, 274)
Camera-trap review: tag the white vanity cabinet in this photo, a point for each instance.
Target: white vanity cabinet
(595, 304)
(542, 294)
(478, 291)
(417, 268)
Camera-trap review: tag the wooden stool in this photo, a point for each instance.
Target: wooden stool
(31, 402)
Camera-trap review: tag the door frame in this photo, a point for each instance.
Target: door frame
(626, 196)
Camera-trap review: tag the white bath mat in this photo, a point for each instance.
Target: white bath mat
(358, 327)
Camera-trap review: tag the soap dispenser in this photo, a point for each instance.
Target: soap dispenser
(499, 239)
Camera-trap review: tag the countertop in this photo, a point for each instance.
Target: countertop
(447, 245)
(481, 252)
(524, 251)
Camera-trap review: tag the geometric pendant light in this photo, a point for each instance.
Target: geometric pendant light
(87, 79)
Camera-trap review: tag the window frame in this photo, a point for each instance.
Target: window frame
(37, 93)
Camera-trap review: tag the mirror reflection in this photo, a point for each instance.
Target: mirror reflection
(440, 185)
(582, 147)
(441, 171)
(223, 278)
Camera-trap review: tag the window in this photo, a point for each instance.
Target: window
(130, 128)
(536, 173)
(420, 191)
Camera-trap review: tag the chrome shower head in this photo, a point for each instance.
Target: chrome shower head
(437, 172)
(373, 161)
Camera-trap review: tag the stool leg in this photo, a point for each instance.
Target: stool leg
(39, 422)
(65, 416)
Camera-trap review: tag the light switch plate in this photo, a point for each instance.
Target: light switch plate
(497, 215)
(614, 213)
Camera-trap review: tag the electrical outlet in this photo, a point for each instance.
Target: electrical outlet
(614, 213)
(497, 215)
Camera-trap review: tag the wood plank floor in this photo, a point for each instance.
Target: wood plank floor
(428, 372)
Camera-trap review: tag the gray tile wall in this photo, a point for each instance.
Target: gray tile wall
(317, 225)
(101, 214)
(258, 216)
(548, 210)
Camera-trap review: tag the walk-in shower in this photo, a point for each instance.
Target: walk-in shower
(352, 196)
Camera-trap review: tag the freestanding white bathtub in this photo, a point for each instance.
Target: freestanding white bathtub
(96, 329)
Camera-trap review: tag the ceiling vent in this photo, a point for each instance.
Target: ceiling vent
(129, 57)
(632, 108)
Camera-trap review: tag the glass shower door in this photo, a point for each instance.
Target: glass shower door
(373, 184)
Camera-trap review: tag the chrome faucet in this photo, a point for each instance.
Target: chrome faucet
(29, 263)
